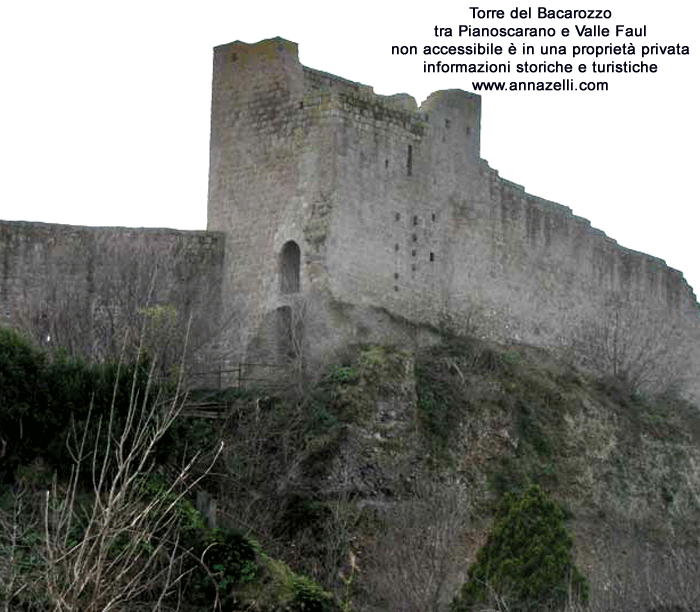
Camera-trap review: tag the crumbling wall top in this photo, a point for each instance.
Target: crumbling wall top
(264, 49)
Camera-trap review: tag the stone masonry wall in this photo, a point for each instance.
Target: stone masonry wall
(392, 208)
(390, 218)
(548, 271)
(94, 278)
(424, 228)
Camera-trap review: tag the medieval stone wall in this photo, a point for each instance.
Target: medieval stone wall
(547, 270)
(422, 226)
(368, 208)
(74, 280)
(392, 207)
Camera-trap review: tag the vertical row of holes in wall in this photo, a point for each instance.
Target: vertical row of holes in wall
(415, 220)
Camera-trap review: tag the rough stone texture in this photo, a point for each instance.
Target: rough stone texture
(99, 273)
(396, 217)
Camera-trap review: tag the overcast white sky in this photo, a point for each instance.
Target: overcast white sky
(105, 107)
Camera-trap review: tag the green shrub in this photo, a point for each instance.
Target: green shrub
(42, 402)
(343, 375)
(319, 419)
(440, 407)
(526, 562)
(230, 562)
(21, 388)
(309, 597)
(79, 397)
(235, 569)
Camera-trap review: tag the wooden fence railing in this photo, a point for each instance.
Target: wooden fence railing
(265, 376)
(205, 410)
(240, 376)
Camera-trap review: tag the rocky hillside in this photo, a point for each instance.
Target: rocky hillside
(397, 460)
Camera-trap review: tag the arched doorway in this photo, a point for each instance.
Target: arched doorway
(290, 259)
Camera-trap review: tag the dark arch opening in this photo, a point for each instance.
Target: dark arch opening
(290, 260)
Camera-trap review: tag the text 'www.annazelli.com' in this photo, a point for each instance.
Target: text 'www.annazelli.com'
(562, 85)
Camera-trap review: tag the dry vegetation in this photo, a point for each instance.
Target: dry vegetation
(378, 483)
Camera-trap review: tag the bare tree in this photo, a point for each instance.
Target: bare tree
(634, 571)
(116, 548)
(298, 336)
(417, 551)
(642, 350)
(87, 311)
(19, 519)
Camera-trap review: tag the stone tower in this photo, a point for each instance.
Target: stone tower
(324, 188)
(373, 212)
